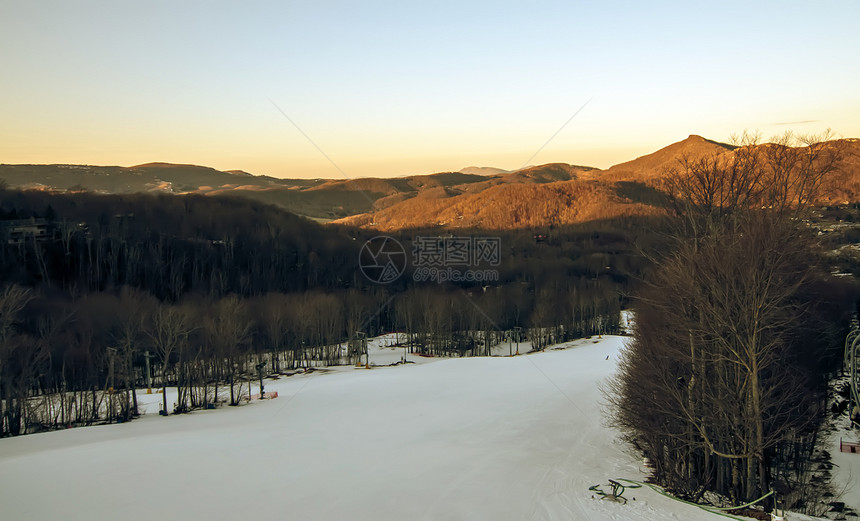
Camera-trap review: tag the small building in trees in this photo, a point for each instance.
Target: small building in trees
(18, 230)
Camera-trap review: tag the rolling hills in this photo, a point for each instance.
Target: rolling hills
(536, 196)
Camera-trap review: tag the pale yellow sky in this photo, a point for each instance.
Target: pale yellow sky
(394, 89)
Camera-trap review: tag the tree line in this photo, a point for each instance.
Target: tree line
(77, 361)
(739, 328)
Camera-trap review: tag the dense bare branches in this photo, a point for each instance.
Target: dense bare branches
(783, 176)
(12, 300)
(712, 385)
(169, 329)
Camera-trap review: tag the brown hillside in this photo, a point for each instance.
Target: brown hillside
(843, 185)
(507, 206)
(365, 184)
(548, 173)
(654, 165)
(529, 198)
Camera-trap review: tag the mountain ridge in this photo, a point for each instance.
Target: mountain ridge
(535, 196)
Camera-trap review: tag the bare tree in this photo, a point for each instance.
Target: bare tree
(783, 177)
(272, 318)
(228, 328)
(13, 299)
(356, 309)
(711, 385)
(129, 323)
(169, 328)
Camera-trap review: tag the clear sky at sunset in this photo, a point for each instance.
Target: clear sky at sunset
(394, 88)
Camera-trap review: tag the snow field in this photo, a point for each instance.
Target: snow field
(474, 438)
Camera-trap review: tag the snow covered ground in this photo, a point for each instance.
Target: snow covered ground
(846, 467)
(501, 438)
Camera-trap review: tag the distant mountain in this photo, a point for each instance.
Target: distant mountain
(655, 164)
(483, 170)
(536, 196)
(558, 194)
(183, 179)
(549, 173)
(150, 177)
(840, 187)
(321, 199)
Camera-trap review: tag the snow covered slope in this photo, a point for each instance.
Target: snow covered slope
(478, 438)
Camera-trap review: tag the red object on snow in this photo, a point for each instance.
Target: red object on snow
(849, 446)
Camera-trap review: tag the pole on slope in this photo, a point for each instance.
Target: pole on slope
(260, 367)
(146, 356)
(517, 330)
(361, 341)
(112, 354)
